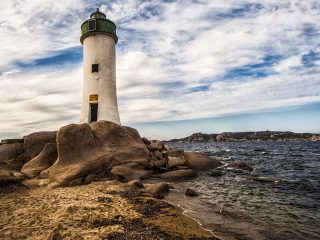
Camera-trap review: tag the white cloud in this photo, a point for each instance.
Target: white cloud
(165, 50)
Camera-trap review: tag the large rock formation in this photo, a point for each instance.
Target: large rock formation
(84, 149)
(80, 154)
(35, 142)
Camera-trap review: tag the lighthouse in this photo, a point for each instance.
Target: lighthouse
(99, 101)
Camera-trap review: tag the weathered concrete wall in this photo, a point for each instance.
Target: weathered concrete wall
(100, 49)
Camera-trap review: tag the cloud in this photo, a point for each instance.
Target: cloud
(175, 59)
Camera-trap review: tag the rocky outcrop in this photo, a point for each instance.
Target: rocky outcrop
(41, 162)
(35, 142)
(84, 149)
(82, 153)
(200, 161)
(249, 136)
(8, 151)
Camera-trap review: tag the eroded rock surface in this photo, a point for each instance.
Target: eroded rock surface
(35, 142)
(84, 149)
(41, 162)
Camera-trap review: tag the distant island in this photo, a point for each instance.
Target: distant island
(248, 136)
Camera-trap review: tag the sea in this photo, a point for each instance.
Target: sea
(279, 199)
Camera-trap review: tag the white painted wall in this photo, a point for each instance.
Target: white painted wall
(100, 49)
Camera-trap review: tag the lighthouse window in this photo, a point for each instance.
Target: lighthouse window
(92, 25)
(95, 68)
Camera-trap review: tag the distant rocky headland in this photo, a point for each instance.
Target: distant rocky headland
(248, 136)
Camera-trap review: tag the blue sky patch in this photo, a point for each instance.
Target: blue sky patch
(65, 57)
(256, 70)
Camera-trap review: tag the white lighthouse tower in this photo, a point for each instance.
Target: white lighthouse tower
(99, 100)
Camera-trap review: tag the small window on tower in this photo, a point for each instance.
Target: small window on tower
(92, 25)
(95, 67)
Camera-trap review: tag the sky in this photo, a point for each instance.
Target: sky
(182, 66)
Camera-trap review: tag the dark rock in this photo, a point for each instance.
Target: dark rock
(84, 149)
(35, 142)
(41, 162)
(200, 161)
(146, 141)
(240, 165)
(8, 151)
(90, 178)
(179, 174)
(158, 190)
(190, 192)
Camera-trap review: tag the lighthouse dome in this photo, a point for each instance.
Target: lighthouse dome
(98, 24)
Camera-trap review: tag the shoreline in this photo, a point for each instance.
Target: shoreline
(100, 210)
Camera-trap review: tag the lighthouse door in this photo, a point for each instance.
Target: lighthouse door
(93, 112)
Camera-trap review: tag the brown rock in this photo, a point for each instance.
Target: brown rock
(179, 174)
(8, 151)
(175, 152)
(84, 149)
(41, 162)
(190, 192)
(158, 190)
(200, 161)
(35, 142)
(240, 165)
(176, 161)
(157, 145)
(159, 163)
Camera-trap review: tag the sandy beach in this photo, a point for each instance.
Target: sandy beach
(100, 210)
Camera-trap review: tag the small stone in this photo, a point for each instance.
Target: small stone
(192, 193)
(158, 190)
(135, 183)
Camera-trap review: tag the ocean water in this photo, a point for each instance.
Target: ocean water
(235, 206)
